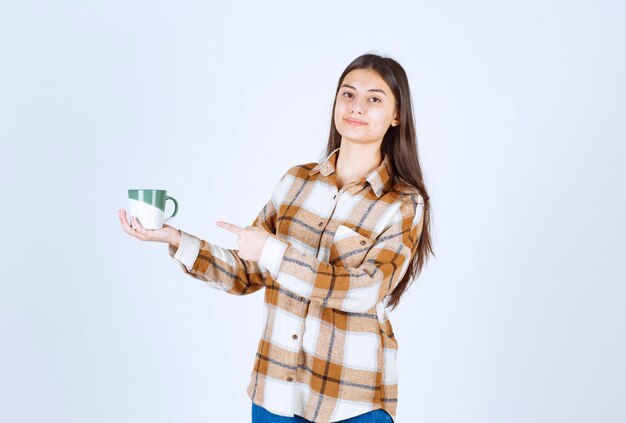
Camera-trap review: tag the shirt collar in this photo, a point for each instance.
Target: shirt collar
(377, 177)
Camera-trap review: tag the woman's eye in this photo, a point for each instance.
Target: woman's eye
(347, 94)
(376, 98)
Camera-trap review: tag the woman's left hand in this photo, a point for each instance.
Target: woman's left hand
(250, 239)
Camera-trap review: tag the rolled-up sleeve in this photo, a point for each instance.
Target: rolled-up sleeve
(187, 251)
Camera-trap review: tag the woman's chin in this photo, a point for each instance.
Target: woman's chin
(354, 133)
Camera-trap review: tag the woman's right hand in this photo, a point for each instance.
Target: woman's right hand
(167, 233)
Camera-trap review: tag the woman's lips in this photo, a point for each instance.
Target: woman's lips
(355, 122)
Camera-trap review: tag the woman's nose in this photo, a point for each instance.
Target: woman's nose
(357, 106)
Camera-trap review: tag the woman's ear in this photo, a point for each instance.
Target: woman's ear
(395, 121)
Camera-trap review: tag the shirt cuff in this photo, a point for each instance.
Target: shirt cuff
(188, 250)
(272, 254)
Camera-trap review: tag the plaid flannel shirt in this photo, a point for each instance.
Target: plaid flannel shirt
(327, 351)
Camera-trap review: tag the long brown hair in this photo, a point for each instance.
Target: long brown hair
(400, 144)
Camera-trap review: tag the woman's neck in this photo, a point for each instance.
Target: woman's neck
(356, 162)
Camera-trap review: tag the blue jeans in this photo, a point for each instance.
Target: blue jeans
(261, 415)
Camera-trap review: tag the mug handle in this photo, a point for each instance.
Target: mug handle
(167, 197)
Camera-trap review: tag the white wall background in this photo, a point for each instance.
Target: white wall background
(520, 108)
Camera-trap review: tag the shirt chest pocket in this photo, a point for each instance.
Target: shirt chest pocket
(348, 247)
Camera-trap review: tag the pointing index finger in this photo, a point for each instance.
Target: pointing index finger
(229, 227)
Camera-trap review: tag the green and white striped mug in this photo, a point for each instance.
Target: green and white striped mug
(148, 206)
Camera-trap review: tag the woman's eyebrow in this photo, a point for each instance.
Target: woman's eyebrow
(371, 89)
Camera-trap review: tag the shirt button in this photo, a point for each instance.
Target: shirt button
(289, 379)
(321, 223)
(334, 196)
(362, 242)
(294, 336)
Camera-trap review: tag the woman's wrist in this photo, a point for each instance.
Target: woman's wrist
(176, 241)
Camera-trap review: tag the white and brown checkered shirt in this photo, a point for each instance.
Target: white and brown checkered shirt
(328, 351)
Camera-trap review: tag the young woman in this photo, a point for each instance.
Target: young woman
(337, 243)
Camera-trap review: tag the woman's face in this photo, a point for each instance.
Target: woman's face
(365, 107)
